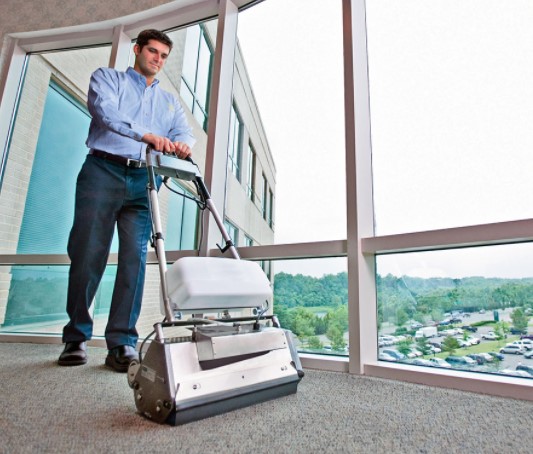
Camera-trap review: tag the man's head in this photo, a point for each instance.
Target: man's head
(147, 35)
(151, 52)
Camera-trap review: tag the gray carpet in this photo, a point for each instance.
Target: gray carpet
(90, 409)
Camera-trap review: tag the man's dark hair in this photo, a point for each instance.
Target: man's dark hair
(147, 35)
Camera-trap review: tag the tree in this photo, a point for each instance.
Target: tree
(501, 329)
(450, 344)
(519, 319)
(314, 342)
(336, 335)
(303, 323)
(401, 317)
(404, 346)
(422, 344)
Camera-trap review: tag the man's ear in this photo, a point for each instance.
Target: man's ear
(136, 49)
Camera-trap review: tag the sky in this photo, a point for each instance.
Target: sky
(451, 111)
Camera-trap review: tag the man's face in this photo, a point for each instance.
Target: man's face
(151, 58)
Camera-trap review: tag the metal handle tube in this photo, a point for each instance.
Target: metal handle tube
(211, 207)
(158, 234)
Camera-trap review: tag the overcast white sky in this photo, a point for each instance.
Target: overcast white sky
(452, 109)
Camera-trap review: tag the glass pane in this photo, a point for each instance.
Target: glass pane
(451, 99)
(292, 51)
(181, 216)
(63, 129)
(190, 54)
(188, 71)
(204, 68)
(464, 309)
(37, 298)
(47, 150)
(313, 303)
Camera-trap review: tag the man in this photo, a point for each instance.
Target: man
(129, 110)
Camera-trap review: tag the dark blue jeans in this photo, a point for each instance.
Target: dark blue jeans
(108, 194)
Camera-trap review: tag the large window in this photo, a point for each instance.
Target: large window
(196, 73)
(297, 80)
(37, 196)
(450, 148)
(313, 304)
(463, 309)
(451, 101)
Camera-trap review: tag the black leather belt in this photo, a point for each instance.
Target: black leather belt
(126, 162)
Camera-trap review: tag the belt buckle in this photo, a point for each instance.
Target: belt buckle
(133, 163)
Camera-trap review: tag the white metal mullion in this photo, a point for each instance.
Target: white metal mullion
(9, 91)
(362, 307)
(468, 236)
(120, 49)
(219, 117)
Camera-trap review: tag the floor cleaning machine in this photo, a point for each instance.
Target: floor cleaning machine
(202, 366)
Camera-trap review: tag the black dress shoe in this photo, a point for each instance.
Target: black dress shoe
(74, 354)
(119, 358)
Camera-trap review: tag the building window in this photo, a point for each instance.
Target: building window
(270, 211)
(182, 221)
(233, 232)
(248, 241)
(264, 199)
(250, 182)
(196, 73)
(235, 143)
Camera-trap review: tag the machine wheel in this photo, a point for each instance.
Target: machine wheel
(132, 372)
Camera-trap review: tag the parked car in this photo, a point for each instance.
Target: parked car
(526, 344)
(514, 330)
(386, 357)
(497, 356)
(528, 369)
(512, 349)
(488, 357)
(472, 329)
(422, 362)
(529, 354)
(394, 353)
(461, 361)
(435, 343)
(386, 340)
(527, 336)
(477, 358)
(473, 340)
(464, 343)
(516, 373)
(491, 335)
(439, 362)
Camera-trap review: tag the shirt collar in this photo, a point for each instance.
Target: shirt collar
(139, 78)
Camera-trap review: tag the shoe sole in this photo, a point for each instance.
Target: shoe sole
(110, 362)
(77, 362)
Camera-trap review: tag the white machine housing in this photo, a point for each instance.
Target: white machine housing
(200, 283)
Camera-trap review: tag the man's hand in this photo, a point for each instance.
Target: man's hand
(182, 150)
(159, 143)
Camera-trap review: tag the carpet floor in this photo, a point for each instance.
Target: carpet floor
(90, 409)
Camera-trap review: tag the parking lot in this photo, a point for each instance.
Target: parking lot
(508, 363)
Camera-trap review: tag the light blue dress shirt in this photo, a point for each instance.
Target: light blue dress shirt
(124, 109)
